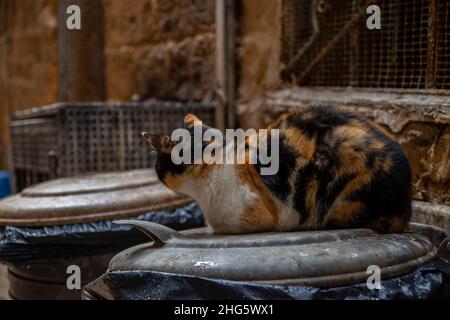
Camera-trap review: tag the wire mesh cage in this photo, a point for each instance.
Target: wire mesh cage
(81, 53)
(443, 45)
(73, 138)
(327, 43)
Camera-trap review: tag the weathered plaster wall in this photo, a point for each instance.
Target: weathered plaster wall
(28, 60)
(428, 148)
(160, 49)
(32, 53)
(259, 56)
(154, 49)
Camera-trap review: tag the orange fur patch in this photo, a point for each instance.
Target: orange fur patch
(280, 120)
(352, 161)
(198, 171)
(173, 182)
(262, 212)
(383, 130)
(258, 218)
(359, 182)
(354, 134)
(310, 201)
(342, 212)
(304, 146)
(377, 145)
(387, 165)
(189, 120)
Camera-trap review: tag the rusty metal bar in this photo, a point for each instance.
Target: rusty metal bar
(332, 44)
(226, 116)
(431, 45)
(312, 39)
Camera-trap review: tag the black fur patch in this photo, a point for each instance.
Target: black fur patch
(318, 120)
(278, 184)
(304, 177)
(388, 193)
(164, 165)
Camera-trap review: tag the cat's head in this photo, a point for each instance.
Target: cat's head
(178, 174)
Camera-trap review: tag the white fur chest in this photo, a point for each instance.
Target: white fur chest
(222, 197)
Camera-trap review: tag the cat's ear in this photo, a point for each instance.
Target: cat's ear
(161, 144)
(152, 140)
(190, 120)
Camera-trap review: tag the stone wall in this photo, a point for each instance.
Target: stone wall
(154, 49)
(259, 54)
(160, 49)
(28, 60)
(428, 148)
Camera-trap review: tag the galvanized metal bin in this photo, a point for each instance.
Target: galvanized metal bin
(67, 139)
(79, 201)
(319, 259)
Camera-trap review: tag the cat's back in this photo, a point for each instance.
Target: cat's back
(341, 170)
(338, 135)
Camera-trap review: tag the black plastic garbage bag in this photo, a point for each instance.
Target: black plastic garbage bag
(32, 245)
(431, 281)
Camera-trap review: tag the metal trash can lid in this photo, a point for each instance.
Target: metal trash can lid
(314, 258)
(89, 198)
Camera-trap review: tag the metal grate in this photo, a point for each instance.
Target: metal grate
(81, 53)
(443, 45)
(401, 55)
(73, 138)
(33, 140)
(333, 70)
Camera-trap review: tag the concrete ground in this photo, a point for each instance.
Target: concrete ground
(3, 283)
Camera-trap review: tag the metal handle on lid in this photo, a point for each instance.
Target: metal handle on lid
(158, 233)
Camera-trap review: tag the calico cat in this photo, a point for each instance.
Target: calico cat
(337, 170)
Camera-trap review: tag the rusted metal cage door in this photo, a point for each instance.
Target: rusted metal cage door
(327, 43)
